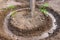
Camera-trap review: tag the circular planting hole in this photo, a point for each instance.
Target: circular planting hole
(20, 24)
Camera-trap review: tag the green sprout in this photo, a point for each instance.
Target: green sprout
(43, 9)
(11, 6)
(13, 13)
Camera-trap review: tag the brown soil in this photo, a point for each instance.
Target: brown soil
(28, 25)
(55, 36)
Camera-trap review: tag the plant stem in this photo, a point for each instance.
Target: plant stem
(32, 6)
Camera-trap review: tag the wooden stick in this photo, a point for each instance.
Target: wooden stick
(32, 6)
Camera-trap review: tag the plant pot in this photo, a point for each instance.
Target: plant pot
(29, 32)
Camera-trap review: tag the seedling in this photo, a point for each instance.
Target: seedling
(43, 9)
(9, 7)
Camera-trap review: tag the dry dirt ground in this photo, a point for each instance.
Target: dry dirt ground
(55, 4)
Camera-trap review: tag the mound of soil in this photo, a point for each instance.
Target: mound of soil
(23, 24)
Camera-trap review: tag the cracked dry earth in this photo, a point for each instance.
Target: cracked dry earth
(54, 4)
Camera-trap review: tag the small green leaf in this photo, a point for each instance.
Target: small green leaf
(11, 7)
(43, 9)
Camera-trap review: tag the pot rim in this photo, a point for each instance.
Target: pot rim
(44, 35)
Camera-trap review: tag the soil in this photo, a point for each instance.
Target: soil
(28, 24)
(55, 36)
